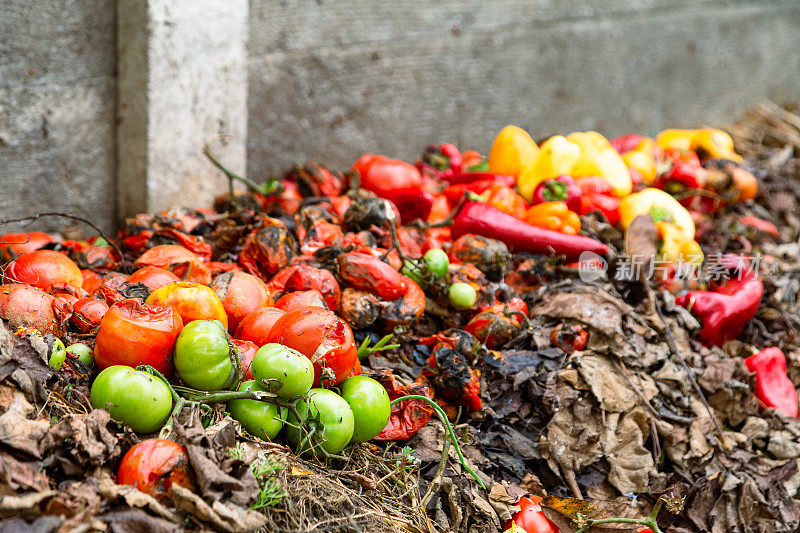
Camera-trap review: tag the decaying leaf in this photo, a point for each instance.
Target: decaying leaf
(563, 510)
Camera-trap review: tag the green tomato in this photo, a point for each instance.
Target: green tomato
(203, 356)
(370, 405)
(134, 398)
(326, 414)
(462, 295)
(437, 261)
(82, 352)
(293, 371)
(414, 271)
(57, 355)
(262, 419)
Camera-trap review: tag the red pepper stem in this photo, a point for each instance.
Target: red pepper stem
(443, 417)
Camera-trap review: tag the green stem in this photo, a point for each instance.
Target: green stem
(650, 521)
(366, 350)
(266, 189)
(443, 417)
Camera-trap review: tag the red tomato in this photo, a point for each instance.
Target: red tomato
(91, 280)
(190, 300)
(26, 306)
(134, 334)
(180, 261)
(322, 337)
(87, 314)
(241, 294)
(153, 277)
(16, 244)
(256, 326)
(247, 351)
(298, 299)
(43, 269)
(385, 176)
(531, 518)
(368, 273)
(154, 465)
(306, 277)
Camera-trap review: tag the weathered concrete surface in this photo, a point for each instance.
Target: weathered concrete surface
(330, 80)
(182, 82)
(57, 101)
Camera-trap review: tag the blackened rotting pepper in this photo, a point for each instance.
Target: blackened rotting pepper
(773, 386)
(725, 310)
(452, 378)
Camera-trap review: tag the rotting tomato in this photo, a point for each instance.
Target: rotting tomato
(370, 405)
(91, 280)
(134, 398)
(267, 249)
(531, 518)
(287, 373)
(247, 351)
(322, 337)
(295, 300)
(203, 356)
(335, 422)
(190, 300)
(262, 419)
(368, 273)
(43, 269)
(13, 245)
(154, 465)
(385, 176)
(307, 277)
(256, 326)
(26, 306)
(241, 294)
(135, 334)
(87, 313)
(179, 260)
(153, 277)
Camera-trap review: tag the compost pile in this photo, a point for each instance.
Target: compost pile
(587, 330)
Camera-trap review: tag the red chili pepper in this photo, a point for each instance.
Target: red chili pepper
(560, 189)
(725, 311)
(483, 219)
(626, 143)
(472, 177)
(760, 224)
(773, 386)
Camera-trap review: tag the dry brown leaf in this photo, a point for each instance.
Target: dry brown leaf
(563, 510)
(228, 517)
(20, 433)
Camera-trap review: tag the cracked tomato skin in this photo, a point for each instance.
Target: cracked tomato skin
(87, 313)
(133, 334)
(321, 336)
(44, 269)
(154, 465)
(247, 351)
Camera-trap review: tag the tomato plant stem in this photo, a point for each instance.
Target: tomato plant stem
(443, 417)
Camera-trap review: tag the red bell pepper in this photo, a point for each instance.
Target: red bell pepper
(626, 143)
(483, 219)
(413, 203)
(773, 386)
(724, 311)
(596, 195)
(560, 189)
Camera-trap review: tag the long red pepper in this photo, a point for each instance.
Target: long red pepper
(773, 386)
(725, 311)
(483, 219)
(470, 177)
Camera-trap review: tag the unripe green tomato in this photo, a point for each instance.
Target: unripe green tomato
(262, 419)
(462, 295)
(57, 355)
(438, 262)
(82, 352)
(134, 398)
(293, 371)
(370, 405)
(414, 271)
(335, 420)
(203, 356)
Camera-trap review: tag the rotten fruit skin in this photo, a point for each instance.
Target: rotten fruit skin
(773, 386)
(154, 465)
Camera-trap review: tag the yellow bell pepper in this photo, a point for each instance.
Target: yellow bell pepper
(599, 158)
(712, 143)
(643, 160)
(675, 139)
(675, 247)
(512, 151)
(660, 205)
(557, 156)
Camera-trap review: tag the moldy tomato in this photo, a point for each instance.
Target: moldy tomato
(190, 300)
(154, 465)
(203, 356)
(26, 306)
(134, 334)
(322, 337)
(16, 244)
(134, 398)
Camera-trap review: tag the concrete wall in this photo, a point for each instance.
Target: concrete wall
(329, 80)
(333, 78)
(57, 106)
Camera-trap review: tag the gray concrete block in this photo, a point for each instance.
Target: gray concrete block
(331, 81)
